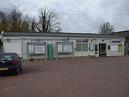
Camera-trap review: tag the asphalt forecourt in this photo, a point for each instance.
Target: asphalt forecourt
(76, 77)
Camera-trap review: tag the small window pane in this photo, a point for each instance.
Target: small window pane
(120, 48)
(78, 47)
(85, 47)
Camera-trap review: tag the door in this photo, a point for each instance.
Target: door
(50, 53)
(102, 49)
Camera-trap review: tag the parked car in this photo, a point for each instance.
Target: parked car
(10, 62)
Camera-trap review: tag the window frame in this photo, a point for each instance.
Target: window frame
(82, 44)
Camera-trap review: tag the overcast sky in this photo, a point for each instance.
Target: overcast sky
(79, 15)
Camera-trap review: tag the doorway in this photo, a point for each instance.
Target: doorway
(50, 52)
(102, 49)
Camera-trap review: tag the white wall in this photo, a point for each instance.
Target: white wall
(14, 46)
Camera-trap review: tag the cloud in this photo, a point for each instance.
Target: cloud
(80, 15)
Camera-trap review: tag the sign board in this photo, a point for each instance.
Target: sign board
(117, 41)
(36, 48)
(67, 48)
(40, 49)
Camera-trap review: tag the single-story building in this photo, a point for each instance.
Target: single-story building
(56, 45)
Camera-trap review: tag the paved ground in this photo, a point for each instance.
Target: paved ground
(80, 77)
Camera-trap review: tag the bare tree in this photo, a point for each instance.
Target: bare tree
(3, 21)
(106, 28)
(25, 24)
(15, 19)
(47, 21)
(12, 20)
(33, 24)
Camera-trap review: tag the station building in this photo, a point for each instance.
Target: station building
(59, 45)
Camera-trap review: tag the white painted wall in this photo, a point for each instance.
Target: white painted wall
(14, 46)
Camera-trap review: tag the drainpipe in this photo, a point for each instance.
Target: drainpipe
(22, 44)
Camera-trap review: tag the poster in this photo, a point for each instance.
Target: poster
(91, 45)
(60, 48)
(67, 48)
(31, 48)
(40, 49)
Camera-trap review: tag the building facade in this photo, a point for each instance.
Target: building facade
(57, 45)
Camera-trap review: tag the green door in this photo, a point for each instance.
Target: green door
(50, 55)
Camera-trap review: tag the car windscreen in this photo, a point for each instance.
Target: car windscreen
(6, 57)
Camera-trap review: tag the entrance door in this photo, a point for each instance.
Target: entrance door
(50, 53)
(102, 49)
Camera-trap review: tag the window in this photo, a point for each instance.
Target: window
(7, 57)
(91, 46)
(120, 48)
(81, 45)
(78, 47)
(85, 47)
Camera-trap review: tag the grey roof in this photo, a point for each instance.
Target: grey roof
(125, 31)
(122, 33)
(54, 34)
